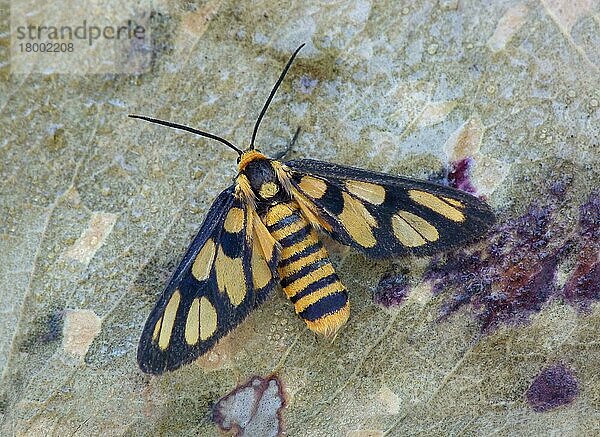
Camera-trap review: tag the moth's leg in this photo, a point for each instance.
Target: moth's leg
(287, 149)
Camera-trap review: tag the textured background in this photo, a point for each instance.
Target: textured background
(97, 209)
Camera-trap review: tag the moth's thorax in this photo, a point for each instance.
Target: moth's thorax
(262, 176)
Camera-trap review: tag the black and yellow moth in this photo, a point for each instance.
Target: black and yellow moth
(264, 230)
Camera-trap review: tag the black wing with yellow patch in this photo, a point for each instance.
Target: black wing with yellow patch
(228, 270)
(383, 215)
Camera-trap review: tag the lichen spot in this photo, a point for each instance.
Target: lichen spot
(234, 222)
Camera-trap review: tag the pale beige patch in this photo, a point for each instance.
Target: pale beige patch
(434, 113)
(193, 26)
(169, 320)
(79, 330)
(466, 140)
(230, 277)
(372, 193)
(234, 222)
(92, 238)
(419, 224)
(436, 204)
(389, 400)
(192, 324)
(312, 186)
(509, 24)
(208, 318)
(405, 232)
(204, 259)
(220, 356)
(357, 221)
(489, 174)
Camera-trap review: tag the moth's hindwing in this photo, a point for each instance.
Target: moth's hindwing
(383, 215)
(229, 269)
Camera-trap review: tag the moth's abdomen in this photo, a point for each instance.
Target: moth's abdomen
(307, 276)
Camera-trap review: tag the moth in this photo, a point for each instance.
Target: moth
(264, 230)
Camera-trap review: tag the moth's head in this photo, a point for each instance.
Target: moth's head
(256, 171)
(247, 156)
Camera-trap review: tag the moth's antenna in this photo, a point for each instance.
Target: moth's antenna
(273, 91)
(187, 129)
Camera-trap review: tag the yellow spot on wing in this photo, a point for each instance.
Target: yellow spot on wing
(192, 325)
(268, 190)
(367, 191)
(422, 226)
(169, 320)
(156, 329)
(312, 186)
(261, 273)
(234, 222)
(208, 318)
(436, 204)
(357, 221)
(204, 260)
(230, 277)
(454, 202)
(405, 232)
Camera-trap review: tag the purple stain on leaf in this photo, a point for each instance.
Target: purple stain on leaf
(252, 409)
(583, 286)
(459, 175)
(514, 275)
(553, 387)
(391, 290)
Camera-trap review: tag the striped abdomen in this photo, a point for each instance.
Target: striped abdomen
(307, 276)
